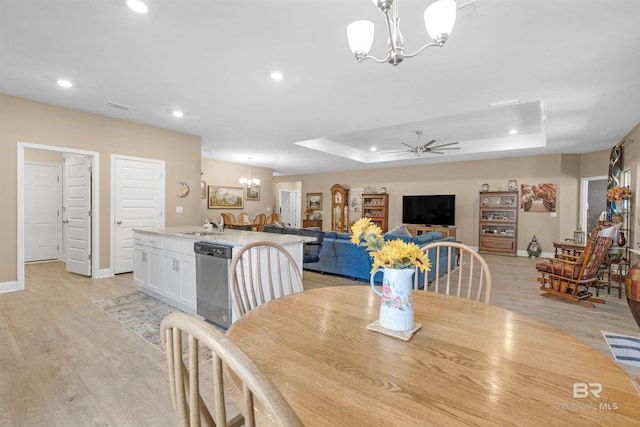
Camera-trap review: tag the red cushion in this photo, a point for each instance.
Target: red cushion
(558, 268)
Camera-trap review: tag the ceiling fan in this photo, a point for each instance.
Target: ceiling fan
(427, 148)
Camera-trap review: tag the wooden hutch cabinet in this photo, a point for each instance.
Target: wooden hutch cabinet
(340, 208)
(306, 223)
(376, 207)
(499, 222)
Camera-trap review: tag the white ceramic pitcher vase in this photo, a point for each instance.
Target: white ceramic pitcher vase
(396, 307)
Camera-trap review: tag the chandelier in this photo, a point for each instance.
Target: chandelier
(439, 19)
(249, 181)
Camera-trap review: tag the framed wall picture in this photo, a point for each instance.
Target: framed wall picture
(253, 192)
(314, 201)
(225, 197)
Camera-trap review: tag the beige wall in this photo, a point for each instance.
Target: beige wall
(464, 179)
(216, 172)
(32, 122)
(42, 156)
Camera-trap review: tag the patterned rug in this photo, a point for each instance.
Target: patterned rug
(142, 315)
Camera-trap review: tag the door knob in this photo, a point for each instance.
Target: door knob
(118, 222)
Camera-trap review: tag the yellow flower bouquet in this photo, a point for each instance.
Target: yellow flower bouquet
(617, 194)
(395, 254)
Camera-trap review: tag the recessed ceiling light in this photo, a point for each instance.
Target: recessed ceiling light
(373, 148)
(177, 113)
(513, 132)
(64, 83)
(277, 75)
(137, 6)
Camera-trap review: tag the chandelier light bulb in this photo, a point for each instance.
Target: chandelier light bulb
(360, 37)
(439, 19)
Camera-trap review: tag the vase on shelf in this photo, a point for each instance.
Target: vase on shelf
(396, 306)
(621, 239)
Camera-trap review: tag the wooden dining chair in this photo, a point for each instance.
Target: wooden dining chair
(259, 222)
(273, 218)
(466, 273)
(571, 277)
(243, 218)
(229, 218)
(260, 272)
(228, 361)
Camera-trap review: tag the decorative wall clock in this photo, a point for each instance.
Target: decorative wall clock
(184, 189)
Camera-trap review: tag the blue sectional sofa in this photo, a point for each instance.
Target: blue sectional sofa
(340, 256)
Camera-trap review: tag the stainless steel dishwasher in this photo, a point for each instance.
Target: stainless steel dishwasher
(212, 284)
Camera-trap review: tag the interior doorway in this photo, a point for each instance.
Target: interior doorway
(593, 198)
(43, 206)
(290, 207)
(94, 161)
(593, 201)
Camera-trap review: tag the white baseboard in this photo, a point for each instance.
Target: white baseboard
(8, 287)
(542, 255)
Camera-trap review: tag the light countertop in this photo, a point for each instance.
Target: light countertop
(229, 237)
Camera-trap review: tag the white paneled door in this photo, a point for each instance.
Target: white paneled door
(290, 207)
(138, 202)
(41, 211)
(77, 214)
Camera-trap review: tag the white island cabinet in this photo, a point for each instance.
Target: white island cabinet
(165, 268)
(165, 263)
(147, 261)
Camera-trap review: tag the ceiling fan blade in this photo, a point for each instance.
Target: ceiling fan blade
(435, 152)
(404, 143)
(446, 148)
(437, 147)
(428, 144)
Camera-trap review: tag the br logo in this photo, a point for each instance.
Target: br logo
(582, 390)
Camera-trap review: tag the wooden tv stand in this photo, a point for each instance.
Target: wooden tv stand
(417, 230)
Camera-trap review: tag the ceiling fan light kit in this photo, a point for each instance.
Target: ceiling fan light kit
(439, 19)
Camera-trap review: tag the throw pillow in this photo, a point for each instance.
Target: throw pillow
(400, 230)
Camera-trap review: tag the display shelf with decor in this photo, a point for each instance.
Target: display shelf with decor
(376, 207)
(498, 222)
(619, 210)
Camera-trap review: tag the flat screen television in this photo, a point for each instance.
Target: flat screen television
(429, 210)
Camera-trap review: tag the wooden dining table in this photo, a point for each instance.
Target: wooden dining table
(471, 363)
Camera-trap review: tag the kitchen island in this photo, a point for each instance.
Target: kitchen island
(165, 263)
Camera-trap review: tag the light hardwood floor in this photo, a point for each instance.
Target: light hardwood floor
(65, 362)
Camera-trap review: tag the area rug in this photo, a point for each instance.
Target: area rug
(625, 348)
(142, 315)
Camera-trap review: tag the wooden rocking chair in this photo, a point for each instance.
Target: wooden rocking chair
(570, 277)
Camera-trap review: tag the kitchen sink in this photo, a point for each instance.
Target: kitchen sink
(202, 233)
